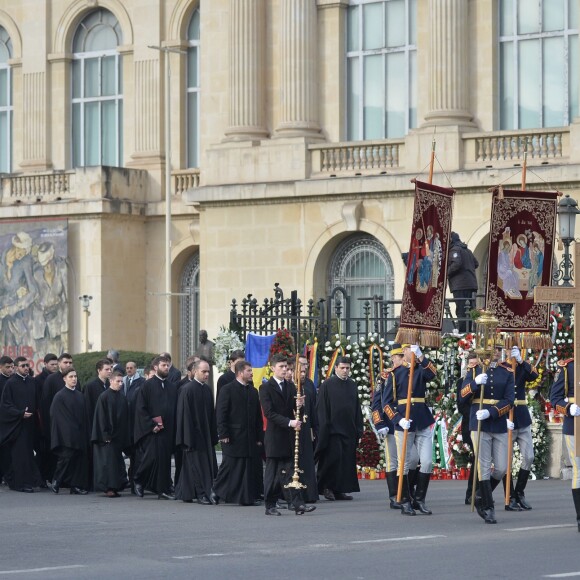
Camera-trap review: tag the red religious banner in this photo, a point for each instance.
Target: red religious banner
(424, 291)
(521, 245)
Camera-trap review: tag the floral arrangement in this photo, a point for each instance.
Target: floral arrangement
(369, 452)
(225, 342)
(563, 338)
(283, 343)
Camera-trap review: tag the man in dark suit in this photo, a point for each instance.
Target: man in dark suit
(278, 400)
(230, 376)
(132, 382)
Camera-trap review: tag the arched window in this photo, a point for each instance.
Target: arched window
(189, 308)
(97, 90)
(381, 69)
(5, 103)
(538, 46)
(193, 91)
(363, 267)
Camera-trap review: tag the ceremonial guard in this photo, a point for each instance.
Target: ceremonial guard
(522, 432)
(563, 400)
(497, 388)
(419, 424)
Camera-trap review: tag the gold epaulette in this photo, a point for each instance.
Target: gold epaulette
(564, 363)
(506, 366)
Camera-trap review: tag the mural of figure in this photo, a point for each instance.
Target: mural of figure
(49, 323)
(426, 266)
(505, 272)
(537, 269)
(437, 260)
(522, 253)
(17, 291)
(414, 256)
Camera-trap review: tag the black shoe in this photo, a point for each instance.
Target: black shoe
(165, 496)
(25, 489)
(327, 493)
(468, 500)
(486, 502)
(513, 506)
(305, 509)
(272, 512)
(203, 500)
(187, 500)
(394, 504)
(490, 516)
(406, 509)
(54, 486)
(342, 497)
(523, 476)
(78, 491)
(421, 493)
(138, 489)
(281, 506)
(213, 497)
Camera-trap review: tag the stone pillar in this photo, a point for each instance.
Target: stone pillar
(448, 63)
(298, 78)
(247, 89)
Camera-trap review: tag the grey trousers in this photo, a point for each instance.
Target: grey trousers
(419, 446)
(493, 448)
(574, 461)
(524, 439)
(392, 455)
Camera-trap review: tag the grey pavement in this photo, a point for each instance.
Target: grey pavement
(46, 536)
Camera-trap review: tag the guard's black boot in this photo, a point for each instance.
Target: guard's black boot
(513, 504)
(421, 493)
(469, 488)
(479, 505)
(412, 478)
(392, 484)
(406, 508)
(576, 496)
(523, 476)
(487, 501)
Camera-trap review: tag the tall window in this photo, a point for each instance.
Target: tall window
(97, 91)
(538, 48)
(363, 267)
(5, 103)
(381, 69)
(189, 308)
(193, 91)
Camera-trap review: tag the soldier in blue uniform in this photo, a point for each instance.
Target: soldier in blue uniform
(497, 388)
(522, 432)
(563, 400)
(419, 424)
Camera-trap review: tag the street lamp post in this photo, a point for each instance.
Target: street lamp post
(85, 303)
(567, 211)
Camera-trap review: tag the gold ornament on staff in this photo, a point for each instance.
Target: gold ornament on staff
(295, 483)
(485, 337)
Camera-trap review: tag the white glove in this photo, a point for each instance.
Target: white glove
(383, 432)
(516, 354)
(510, 425)
(416, 350)
(481, 379)
(574, 410)
(482, 415)
(405, 423)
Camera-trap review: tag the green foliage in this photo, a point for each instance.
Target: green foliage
(85, 362)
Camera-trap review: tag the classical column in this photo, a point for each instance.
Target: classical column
(448, 63)
(247, 89)
(298, 82)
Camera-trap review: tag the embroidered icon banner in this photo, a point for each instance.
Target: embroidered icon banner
(521, 245)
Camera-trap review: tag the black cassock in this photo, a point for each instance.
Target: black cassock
(239, 419)
(196, 437)
(306, 455)
(51, 386)
(17, 434)
(156, 398)
(92, 391)
(69, 438)
(340, 425)
(111, 423)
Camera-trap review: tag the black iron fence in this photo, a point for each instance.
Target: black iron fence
(333, 315)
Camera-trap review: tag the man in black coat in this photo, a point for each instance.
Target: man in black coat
(154, 432)
(95, 388)
(230, 375)
(132, 382)
(240, 431)
(279, 402)
(18, 429)
(110, 437)
(6, 371)
(340, 423)
(196, 438)
(461, 266)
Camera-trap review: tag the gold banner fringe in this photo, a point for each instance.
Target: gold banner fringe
(425, 338)
(528, 341)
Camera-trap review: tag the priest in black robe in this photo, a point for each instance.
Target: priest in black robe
(95, 388)
(154, 432)
(230, 375)
(6, 371)
(110, 437)
(240, 431)
(18, 429)
(196, 437)
(69, 437)
(340, 423)
(51, 386)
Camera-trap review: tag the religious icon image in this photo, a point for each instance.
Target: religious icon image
(414, 256)
(425, 271)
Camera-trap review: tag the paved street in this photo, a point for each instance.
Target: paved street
(69, 537)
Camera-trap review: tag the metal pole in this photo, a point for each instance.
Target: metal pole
(87, 314)
(167, 203)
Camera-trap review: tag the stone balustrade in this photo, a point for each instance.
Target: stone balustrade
(185, 179)
(37, 187)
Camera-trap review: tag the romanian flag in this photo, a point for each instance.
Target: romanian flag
(311, 354)
(257, 354)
